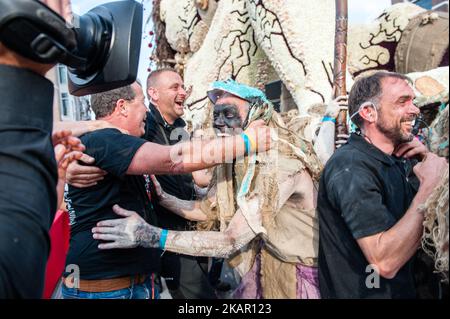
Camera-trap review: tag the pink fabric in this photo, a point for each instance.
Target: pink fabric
(250, 286)
(307, 282)
(59, 238)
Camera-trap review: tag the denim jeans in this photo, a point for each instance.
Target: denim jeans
(136, 291)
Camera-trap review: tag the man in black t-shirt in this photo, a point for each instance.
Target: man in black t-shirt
(93, 273)
(370, 202)
(113, 152)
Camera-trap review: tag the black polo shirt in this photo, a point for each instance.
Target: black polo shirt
(157, 130)
(113, 152)
(362, 192)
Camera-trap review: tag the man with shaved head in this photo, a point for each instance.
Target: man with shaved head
(165, 90)
(185, 275)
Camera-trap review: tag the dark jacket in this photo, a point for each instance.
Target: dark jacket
(362, 192)
(157, 130)
(28, 179)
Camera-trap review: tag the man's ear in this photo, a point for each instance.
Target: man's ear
(152, 94)
(368, 114)
(121, 108)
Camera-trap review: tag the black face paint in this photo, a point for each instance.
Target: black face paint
(226, 116)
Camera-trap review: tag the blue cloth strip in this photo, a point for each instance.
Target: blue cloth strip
(328, 119)
(163, 238)
(248, 145)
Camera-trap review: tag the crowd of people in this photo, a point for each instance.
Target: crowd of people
(146, 201)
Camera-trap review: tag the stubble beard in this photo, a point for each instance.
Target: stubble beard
(394, 132)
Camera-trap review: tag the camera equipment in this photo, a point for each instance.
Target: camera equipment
(101, 49)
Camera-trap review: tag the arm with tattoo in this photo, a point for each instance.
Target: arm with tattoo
(133, 231)
(129, 232)
(212, 243)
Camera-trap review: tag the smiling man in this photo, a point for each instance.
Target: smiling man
(185, 275)
(371, 196)
(101, 274)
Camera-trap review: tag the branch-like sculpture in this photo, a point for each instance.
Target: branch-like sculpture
(340, 61)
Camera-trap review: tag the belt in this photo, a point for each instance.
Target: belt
(105, 285)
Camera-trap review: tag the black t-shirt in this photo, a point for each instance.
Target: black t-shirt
(362, 192)
(113, 152)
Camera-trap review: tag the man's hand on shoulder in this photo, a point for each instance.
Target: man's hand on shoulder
(82, 176)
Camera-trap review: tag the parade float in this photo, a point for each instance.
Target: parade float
(291, 44)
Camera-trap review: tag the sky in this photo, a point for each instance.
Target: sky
(363, 11)
(359, 11)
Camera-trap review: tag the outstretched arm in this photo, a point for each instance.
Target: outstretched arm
(184, 208)
(188, 209)
(192, 156)
(133, 231)
(212, 243)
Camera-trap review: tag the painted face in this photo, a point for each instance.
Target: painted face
(226, 116)
(397, 112)
(230, 113)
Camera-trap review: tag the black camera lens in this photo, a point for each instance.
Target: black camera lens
(109, 38)
(101, 50)
(94, 37)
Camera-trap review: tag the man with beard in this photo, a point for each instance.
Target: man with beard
(272, 195)
(371, 196)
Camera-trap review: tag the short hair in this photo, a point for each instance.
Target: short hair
(103, 104)
(153, 77)
(367, 89)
